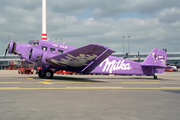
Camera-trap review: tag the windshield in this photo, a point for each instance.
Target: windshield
(34, 42)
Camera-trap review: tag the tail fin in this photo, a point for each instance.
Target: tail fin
(156, 57)
(156, 60)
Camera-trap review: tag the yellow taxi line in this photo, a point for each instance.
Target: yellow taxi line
(91, 88)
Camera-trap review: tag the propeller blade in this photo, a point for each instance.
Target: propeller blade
(6, 50)
(5, 53)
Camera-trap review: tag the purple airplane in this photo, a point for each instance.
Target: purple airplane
(92, 58)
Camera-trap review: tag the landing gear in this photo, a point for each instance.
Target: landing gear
(155, 77)
(40, 74)
(48, 74)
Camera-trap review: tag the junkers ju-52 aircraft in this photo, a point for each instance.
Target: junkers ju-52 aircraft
(92, 58)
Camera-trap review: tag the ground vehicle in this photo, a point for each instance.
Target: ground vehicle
(38, 69)
(65, 72)
(11, 66)
(168, 70)
(26, 69)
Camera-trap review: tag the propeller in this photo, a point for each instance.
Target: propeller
(7, 48)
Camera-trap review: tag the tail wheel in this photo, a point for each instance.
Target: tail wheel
(155, 77)
(48, 74)
(39, 74)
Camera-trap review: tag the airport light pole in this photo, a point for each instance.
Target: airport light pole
(128, 45)
(123, 45)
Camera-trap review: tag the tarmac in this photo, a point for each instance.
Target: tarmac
(89, 97)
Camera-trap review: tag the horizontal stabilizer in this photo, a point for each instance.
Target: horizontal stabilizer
(154, 66)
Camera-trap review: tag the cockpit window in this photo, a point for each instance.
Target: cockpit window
(60, 51)
(52, 49)
(44, 48)
(36, 43)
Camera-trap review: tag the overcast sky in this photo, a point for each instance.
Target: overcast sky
(149, 23)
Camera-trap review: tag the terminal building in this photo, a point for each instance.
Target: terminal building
(173, 59)
(9, 60)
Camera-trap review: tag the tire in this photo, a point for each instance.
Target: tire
(40, 75)
(48, 74)
(155, 77)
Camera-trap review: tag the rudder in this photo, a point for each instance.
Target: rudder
(156, 57)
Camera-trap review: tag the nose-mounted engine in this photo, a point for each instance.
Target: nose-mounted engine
(11, 48)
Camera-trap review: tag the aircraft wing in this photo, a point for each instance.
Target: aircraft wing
(83, 59)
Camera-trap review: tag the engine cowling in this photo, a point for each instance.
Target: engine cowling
(11, 47)
(35, 55)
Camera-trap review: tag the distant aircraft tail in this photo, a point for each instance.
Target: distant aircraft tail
(139, 58)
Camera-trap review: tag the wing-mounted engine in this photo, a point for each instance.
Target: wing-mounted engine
(35, 55)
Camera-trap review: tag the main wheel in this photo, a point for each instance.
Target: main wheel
(40, 75)
(48, 74)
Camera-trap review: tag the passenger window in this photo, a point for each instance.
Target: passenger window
(52, 49)
(60, 51)
(44, 48)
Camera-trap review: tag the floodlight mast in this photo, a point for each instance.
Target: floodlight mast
(123, 45)
(44, 34)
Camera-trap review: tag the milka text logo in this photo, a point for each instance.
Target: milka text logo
(73, 61)
(110, 66)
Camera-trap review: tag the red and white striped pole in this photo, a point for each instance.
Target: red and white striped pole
(44, 34)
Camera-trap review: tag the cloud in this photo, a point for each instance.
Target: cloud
(81, 22)
(169, 15)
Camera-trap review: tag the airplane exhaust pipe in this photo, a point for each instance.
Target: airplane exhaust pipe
(44, 34)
